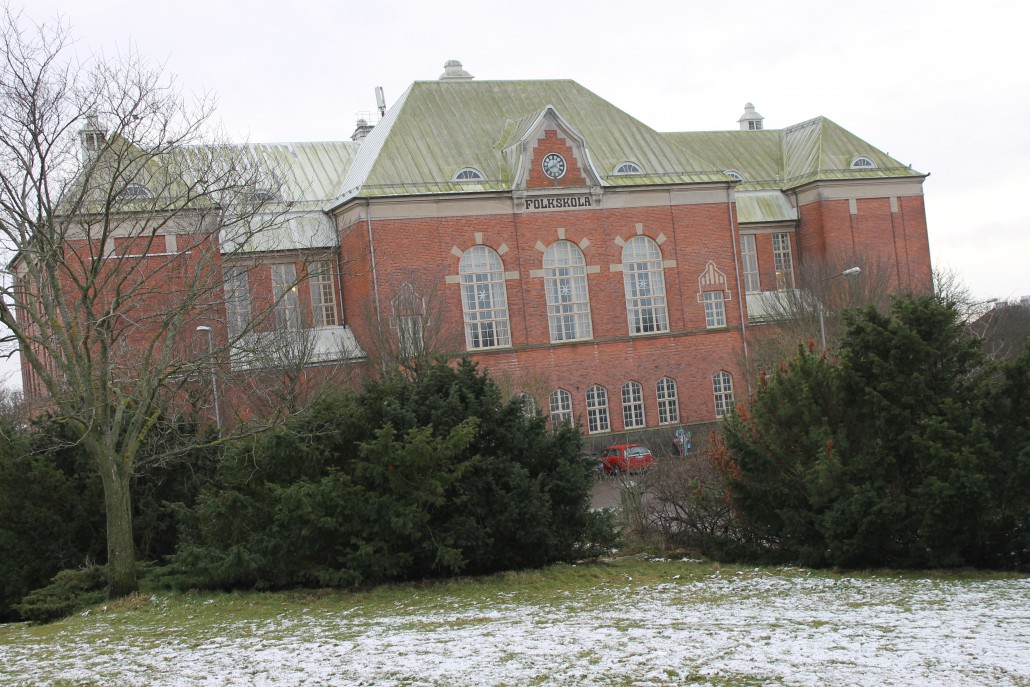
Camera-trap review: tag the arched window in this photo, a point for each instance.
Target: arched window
(484, 300)
(134, 191)
(734, 174)
(561, 407)
(863, 162)
(565, 283)
(409, 317)
(528, 404)
(597, 410)
(468, 174)
(645, 286)
(629, 168)
(632, 405)
(722, 385)
(668, 404)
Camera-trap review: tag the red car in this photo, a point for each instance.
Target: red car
(626, 458)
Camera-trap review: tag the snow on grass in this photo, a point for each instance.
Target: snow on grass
(715, 627)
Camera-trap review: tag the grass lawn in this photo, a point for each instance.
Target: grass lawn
(622, 622)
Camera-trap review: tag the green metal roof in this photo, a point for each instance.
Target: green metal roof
(439, 127)
(814, 150)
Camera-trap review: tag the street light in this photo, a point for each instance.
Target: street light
(822, 324)
(214, 380)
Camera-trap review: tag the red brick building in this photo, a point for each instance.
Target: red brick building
(607, 270)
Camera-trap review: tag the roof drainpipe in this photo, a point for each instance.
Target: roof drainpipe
(740, 292)
(372, 254)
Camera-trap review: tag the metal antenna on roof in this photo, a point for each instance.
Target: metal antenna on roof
(380, 101)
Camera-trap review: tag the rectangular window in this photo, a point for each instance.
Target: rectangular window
(783, 262)
(715, 309)
(323, 295)
(749, 256)
(237, 300)
(284, 290)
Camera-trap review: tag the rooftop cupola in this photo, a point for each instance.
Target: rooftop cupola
(452, 71)
(750, 120)
(92, 136)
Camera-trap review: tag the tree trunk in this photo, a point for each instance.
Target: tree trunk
(121, 553)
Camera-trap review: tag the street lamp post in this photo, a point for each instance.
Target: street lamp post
(822, 324)
(214, 380)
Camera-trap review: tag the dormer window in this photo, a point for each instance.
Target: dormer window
(629, 168)
(468, 174)
(734, 174)
(261, 196)
(863, 162)
(135, 192)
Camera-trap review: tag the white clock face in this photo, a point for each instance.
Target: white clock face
(553, 165)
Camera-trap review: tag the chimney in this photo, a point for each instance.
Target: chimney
(750, 120)
(452, 71)
(362, 129)
(92, 137)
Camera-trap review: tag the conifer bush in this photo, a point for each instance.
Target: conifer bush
(411, 478)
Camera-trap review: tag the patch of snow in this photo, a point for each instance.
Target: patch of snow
(794, 629)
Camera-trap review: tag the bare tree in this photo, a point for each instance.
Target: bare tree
(811, 314)
(118, 211)
(411, 330)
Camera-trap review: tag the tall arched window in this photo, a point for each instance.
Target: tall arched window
(565, 283)
(561, 407)
(484, 300)
(668, 404)
(722, 385)
(632, 405)
(597, 409)
(645, 286)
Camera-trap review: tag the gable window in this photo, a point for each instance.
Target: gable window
(484, 299)
(863, 162)
(597, 410)
(323, 295)
(749, 256)
(237, 300)
(722, 385)
(632, 405)
(782, 262)
(468, 174)
(561, 407)
(668, 404)
(645, 286)
(135, 192)
(284, 290)
(715, 309)
(565, 284)
(734, 174)
(629, 168)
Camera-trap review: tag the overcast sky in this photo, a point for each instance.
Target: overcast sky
(938, 85)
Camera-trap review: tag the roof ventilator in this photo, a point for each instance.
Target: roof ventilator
(452, 71)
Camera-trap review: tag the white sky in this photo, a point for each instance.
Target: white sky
(938, 85)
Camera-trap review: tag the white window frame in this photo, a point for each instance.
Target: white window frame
(644, 281)
(287, 300)
(668, 402)
(484, 299)
(468, 174)
(565, 286)
(560, 404)
(628, 167)
(715, 309)
(597, 410)
(783, 262)
(323, 294)
(632, 405)
(863, 162)
(749, 258)
(238, 314)
(722, 387)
